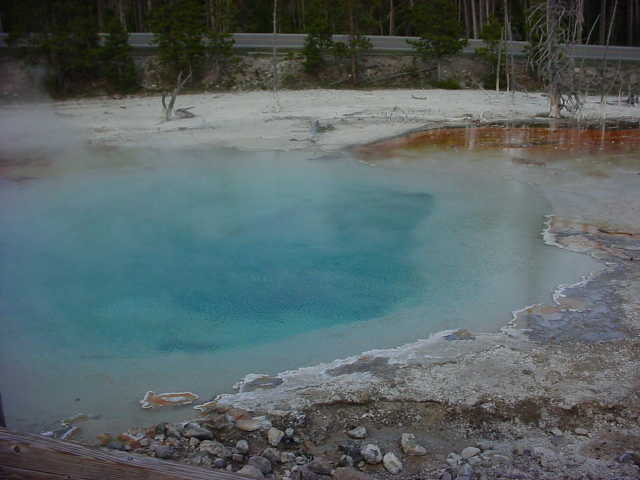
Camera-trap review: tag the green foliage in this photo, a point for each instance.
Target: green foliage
(492, 53)
(115, 59)
(318, 42)
(447, 84)
(66, 41)
(315, 47)
(436, 22)
(218, 47)
(179, 28)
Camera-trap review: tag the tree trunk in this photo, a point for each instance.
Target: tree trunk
(474, 18)
(392, 18)
(121, 14)
(352, 34)
(603, 21)
(274, 59)
(100, 9)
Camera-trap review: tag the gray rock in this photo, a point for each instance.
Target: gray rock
(145, 442)
(410, 446)
(261, 463)
(252, 424)
(630, 458)
(392, 463)
(271, 454)
(215, 449)
(201, 459)
(173, 430)
(289, 432)
(371, 454)
(321, 466)
(242, 446)
(358, 433)
(287, 458)
(582, 432)
(237, 458)
(346, 461)
(348, 473)
(556, 432)
(470, 452)
(194, 442)
(252, 472)
(220, 463)
(193, 430)
(275, 436)
(453, 459)
(446, 476)
(305, 473)
(301, 460)
(465, 473)
(163, 451)
(115, 445)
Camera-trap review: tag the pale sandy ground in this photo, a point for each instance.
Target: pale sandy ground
(249, 120)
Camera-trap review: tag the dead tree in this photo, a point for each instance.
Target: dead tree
(553, 25)
(274, 57)
(168, 109)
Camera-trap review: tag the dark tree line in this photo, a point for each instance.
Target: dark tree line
(369, 17)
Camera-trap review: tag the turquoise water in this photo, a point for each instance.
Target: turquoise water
(184, 271)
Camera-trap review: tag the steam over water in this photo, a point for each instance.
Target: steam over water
(173, 271)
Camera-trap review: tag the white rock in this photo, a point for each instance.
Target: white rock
(242, 446)
(470, 452)
(275, 436)
(392, 463)
(410, 445)
(358, 433)
(371, 454)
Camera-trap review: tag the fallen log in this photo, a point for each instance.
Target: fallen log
(33, 457)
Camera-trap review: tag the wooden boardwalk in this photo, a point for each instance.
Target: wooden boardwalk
(33, 457)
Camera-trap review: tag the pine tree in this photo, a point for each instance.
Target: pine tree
(440, 32)
(179, 28)
(115, 57)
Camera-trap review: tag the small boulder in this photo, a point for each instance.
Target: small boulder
(173, 430)
(242, 446)
(193, 430)
(305, 473)
(469, 452)
(348, 473)
(582, 432)
(215, 449)
(392, 463)
(261, 463)
(220, 463)
(252, 472)
(271, 454)
(164, 451)
(321, 466)
(371, 454)
(287, 458)
(358, 433)
(248, 424)
(275, 436)
(410, 446)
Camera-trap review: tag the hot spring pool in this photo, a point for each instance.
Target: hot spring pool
(184, 271)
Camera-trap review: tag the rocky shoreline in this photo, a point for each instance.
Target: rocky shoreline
(553, 395)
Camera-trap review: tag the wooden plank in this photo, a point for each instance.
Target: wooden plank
(33, 457)
(3, 422)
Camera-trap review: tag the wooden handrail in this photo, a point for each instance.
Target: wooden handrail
(33, 457)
